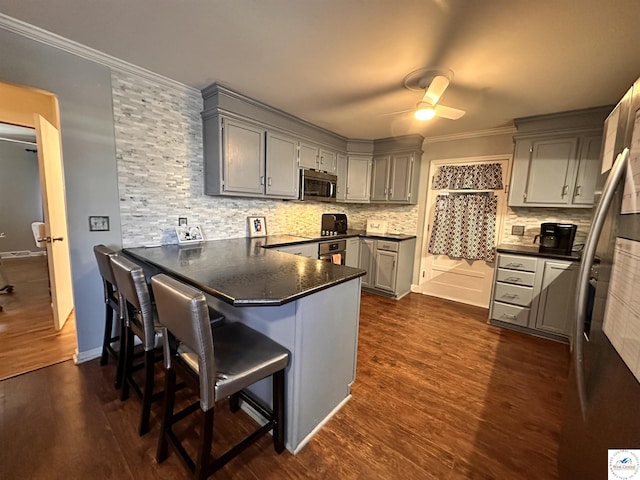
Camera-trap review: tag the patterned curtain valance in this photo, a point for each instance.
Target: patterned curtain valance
(484, 176)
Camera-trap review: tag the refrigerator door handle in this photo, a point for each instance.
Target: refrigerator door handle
(615, 175)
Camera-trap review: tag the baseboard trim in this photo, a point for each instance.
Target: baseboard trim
(81, 357)
(23, 253)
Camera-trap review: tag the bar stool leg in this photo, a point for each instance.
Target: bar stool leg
(204, 449)
(147, 392)
(167, 418)
(234, 402)
(121, 354)
(106, 341)
(278, 411)
(128, 363)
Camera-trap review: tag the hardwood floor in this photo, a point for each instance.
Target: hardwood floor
(28, 340)
(439, 394)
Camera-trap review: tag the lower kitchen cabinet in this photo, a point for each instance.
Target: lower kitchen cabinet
(534, 294)
(389, 265)
(353, 252)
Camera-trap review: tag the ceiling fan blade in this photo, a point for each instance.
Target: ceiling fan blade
(435, 90)
(449, 112)
(397, 112)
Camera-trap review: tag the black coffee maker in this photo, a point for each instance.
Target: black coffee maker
(556, 238)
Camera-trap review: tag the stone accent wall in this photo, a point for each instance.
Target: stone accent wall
(531, 218)
(160, 176)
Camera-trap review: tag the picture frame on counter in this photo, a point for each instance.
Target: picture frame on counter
(189, 234)
(257, 226)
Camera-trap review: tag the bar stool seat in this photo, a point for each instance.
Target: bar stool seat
(219, 362)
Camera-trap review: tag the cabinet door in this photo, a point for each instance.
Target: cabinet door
(327, 161)
(588, 170)
(386, 264)
(342, 172)
(555, 309)
(400, 178)
(380, 178)
(243, 157)
(358, 178)
(551, 167)
(353, 252)
(282, 166)
(308, 155)
(366, 255)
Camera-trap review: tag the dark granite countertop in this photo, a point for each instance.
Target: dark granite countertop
(241, 272)
(533, 252)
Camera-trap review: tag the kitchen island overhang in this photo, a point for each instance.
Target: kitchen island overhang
(308, 306)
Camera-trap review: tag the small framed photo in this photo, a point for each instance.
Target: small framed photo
(98, 224)
(182, 221)
(188, 234)
(257, 227)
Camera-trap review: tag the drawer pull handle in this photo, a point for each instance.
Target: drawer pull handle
(508, 315)
(515, 265)
(510, 295)
(514, 279)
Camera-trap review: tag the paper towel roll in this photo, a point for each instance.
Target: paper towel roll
(336, 258)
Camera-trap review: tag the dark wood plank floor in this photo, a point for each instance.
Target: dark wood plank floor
(439, 395)
(28, 339)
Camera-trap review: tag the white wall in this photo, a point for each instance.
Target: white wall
(20, 198)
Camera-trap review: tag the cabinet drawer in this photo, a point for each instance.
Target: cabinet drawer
(514, 294)
(510, 314)
(519, 278)
(515, 262)
(388, 246)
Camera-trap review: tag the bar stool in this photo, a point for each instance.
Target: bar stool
(139, 321)
(112, 309)
(220, 362)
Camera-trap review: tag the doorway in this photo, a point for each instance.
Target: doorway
(37, 326)
(460, 280)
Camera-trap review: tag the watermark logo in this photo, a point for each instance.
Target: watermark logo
(623, 464)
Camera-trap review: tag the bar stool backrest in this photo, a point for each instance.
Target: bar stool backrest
(134, 293)
(184, 312)
(103, 259)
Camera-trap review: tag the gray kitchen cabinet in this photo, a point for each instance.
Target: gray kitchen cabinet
(341, 185)
(366, 260)
(534, 295)
(244, 158)
(353, 252)
(389, 265)
(556, 160)
(555, 307)
(358, 183)
(393, 178)
(281, 166)
(317, 157)
(386, 263)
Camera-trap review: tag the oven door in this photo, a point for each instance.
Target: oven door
(334, 252)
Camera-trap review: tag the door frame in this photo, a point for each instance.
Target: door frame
(21, 105)
(430, 201)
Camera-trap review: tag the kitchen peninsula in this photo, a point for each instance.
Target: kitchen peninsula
(308, 306)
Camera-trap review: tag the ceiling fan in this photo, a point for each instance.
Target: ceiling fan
(433, 83)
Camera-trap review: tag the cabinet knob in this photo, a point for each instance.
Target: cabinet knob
(564, 190)
(578, 190)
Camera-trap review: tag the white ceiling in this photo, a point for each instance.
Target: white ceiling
(340, 64)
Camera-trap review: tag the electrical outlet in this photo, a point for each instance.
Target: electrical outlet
(517, 230)
(182, 221)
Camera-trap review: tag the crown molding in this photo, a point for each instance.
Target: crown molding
(476, 134)
(38, 34)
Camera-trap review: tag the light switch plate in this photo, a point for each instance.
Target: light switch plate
(517, 230)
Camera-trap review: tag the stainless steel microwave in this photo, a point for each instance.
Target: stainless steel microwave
(318, 186)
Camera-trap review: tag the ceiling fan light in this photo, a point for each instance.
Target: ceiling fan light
(424, 112)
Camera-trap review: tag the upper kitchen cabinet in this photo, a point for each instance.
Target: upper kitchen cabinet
(556, 159)
(318, 158)
(254, 150)
(358, 178)
(395, 173)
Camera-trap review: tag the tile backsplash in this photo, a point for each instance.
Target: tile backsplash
(160, 176)
(531, 218)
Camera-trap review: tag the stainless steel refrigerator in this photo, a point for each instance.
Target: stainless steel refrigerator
(603, 400)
